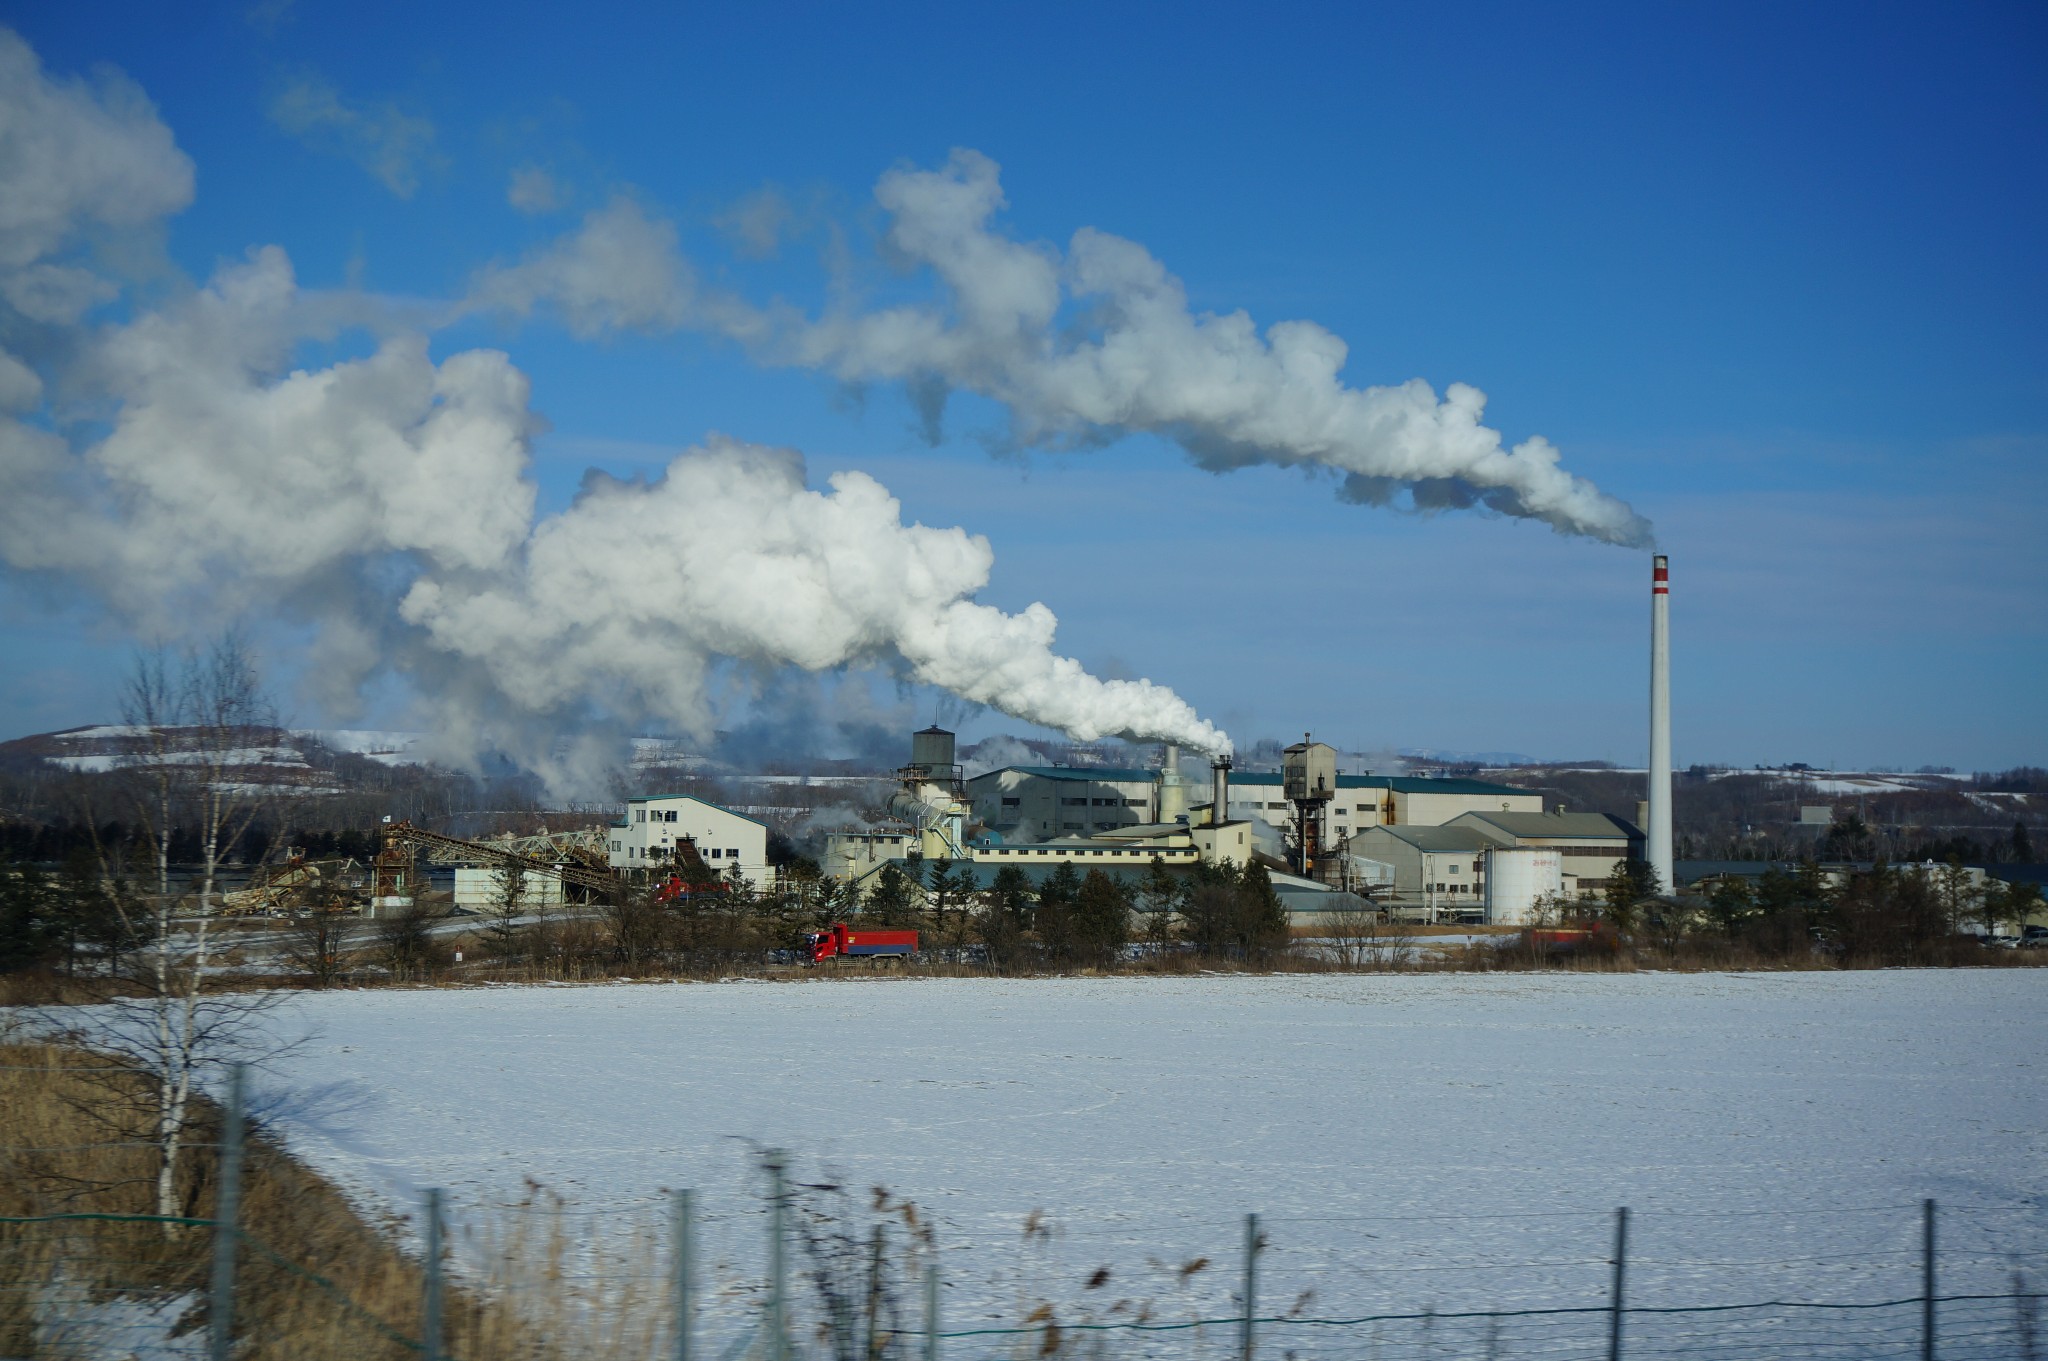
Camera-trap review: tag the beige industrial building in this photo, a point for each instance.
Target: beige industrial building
(1591, 844)
(646, 837)
(1054, 801)
(1445, 870)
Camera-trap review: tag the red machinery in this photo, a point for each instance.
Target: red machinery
(838, 940)
(675, 886)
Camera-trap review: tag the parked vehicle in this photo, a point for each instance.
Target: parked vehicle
(840, 940)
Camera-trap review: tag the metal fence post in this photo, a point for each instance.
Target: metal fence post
(778, 1267)
(1927, 1280)
(1251, 1284)
(874, 1295)
(684, 1231)
(1620, 1280)
(931, 1313)
(227, 1217)
(430, 1297)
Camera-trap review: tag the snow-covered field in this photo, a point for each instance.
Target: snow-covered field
(1424, 1142)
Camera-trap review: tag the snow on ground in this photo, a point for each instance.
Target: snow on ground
(1429, 1141)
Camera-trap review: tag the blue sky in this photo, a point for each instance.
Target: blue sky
(1771, 274)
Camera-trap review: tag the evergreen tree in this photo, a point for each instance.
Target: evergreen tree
(2022, 844)
(1003, 917)
(1209, 908)
(31, 925)
(1054, 918)
(1632, 883)
(1262, 918)
(892, 899)
(1102, 920)
(1161, 897)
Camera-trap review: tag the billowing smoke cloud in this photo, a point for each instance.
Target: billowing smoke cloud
(386, 499)
(1083, 346)
(730, 554)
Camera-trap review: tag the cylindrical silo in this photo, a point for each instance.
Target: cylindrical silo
(1517, 877)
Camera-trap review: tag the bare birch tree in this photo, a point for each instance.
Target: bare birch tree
(194, 719)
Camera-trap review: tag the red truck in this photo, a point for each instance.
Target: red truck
(838, 940)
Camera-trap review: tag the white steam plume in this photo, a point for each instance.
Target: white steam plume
(1082, 347)
(387, 501)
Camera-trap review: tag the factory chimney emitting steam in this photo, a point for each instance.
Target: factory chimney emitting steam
(1659, 830)
(1219, 809)
(1173, 790)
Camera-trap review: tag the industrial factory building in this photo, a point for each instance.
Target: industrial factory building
(652, 828)
(1050, 801)
(1493, 867)
(1422, 846)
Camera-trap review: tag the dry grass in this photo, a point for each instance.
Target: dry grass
(316, 1281)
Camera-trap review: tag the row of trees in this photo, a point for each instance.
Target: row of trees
(1889, 914)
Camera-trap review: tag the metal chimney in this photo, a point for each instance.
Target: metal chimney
(1173, 793)
(1659, 830)
(1220, 767)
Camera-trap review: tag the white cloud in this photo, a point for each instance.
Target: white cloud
(620, 270)
(393, 145)
(76, 157)
(533, 190)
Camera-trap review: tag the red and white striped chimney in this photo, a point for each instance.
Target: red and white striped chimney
(1659, 830)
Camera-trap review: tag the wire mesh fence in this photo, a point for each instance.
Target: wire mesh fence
(811, 1271)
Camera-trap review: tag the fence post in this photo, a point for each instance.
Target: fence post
(931, 1313)
(430, 1299)
(684, 1233)
(227, 1217)
(778, 1267)
(1620, 1280)
(1927, 1280)
(874, 1294)
(1251, 1284)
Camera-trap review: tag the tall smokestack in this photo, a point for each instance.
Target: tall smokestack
(1659, 830)
(1221, 802)
(1173, 793)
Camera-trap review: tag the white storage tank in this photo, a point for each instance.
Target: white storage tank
(1517, 877)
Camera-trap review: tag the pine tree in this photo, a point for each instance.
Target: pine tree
(1262, 918)
(1102, 920)
(1161, 896)
(1003, 917)
(1057, 898)
(892, 900)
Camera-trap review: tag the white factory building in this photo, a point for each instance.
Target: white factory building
(1490, 866)
(646, 837)
(1047, 802)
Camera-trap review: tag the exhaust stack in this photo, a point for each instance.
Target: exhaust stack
(1659, 829)
(1220, 809)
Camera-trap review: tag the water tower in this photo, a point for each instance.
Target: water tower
(1308, 776)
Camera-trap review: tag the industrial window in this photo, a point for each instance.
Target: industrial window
(615, 846)
(1454, 869)
(1012, 803)
(1073, 803)
(639, 815)
(1070, 826)
(1105, 803)
(1276, 805)
(731, 854)
(669, 816)
(1134, 803)
(715, 852)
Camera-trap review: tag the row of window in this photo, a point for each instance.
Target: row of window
(637, 853)
(660, 815)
